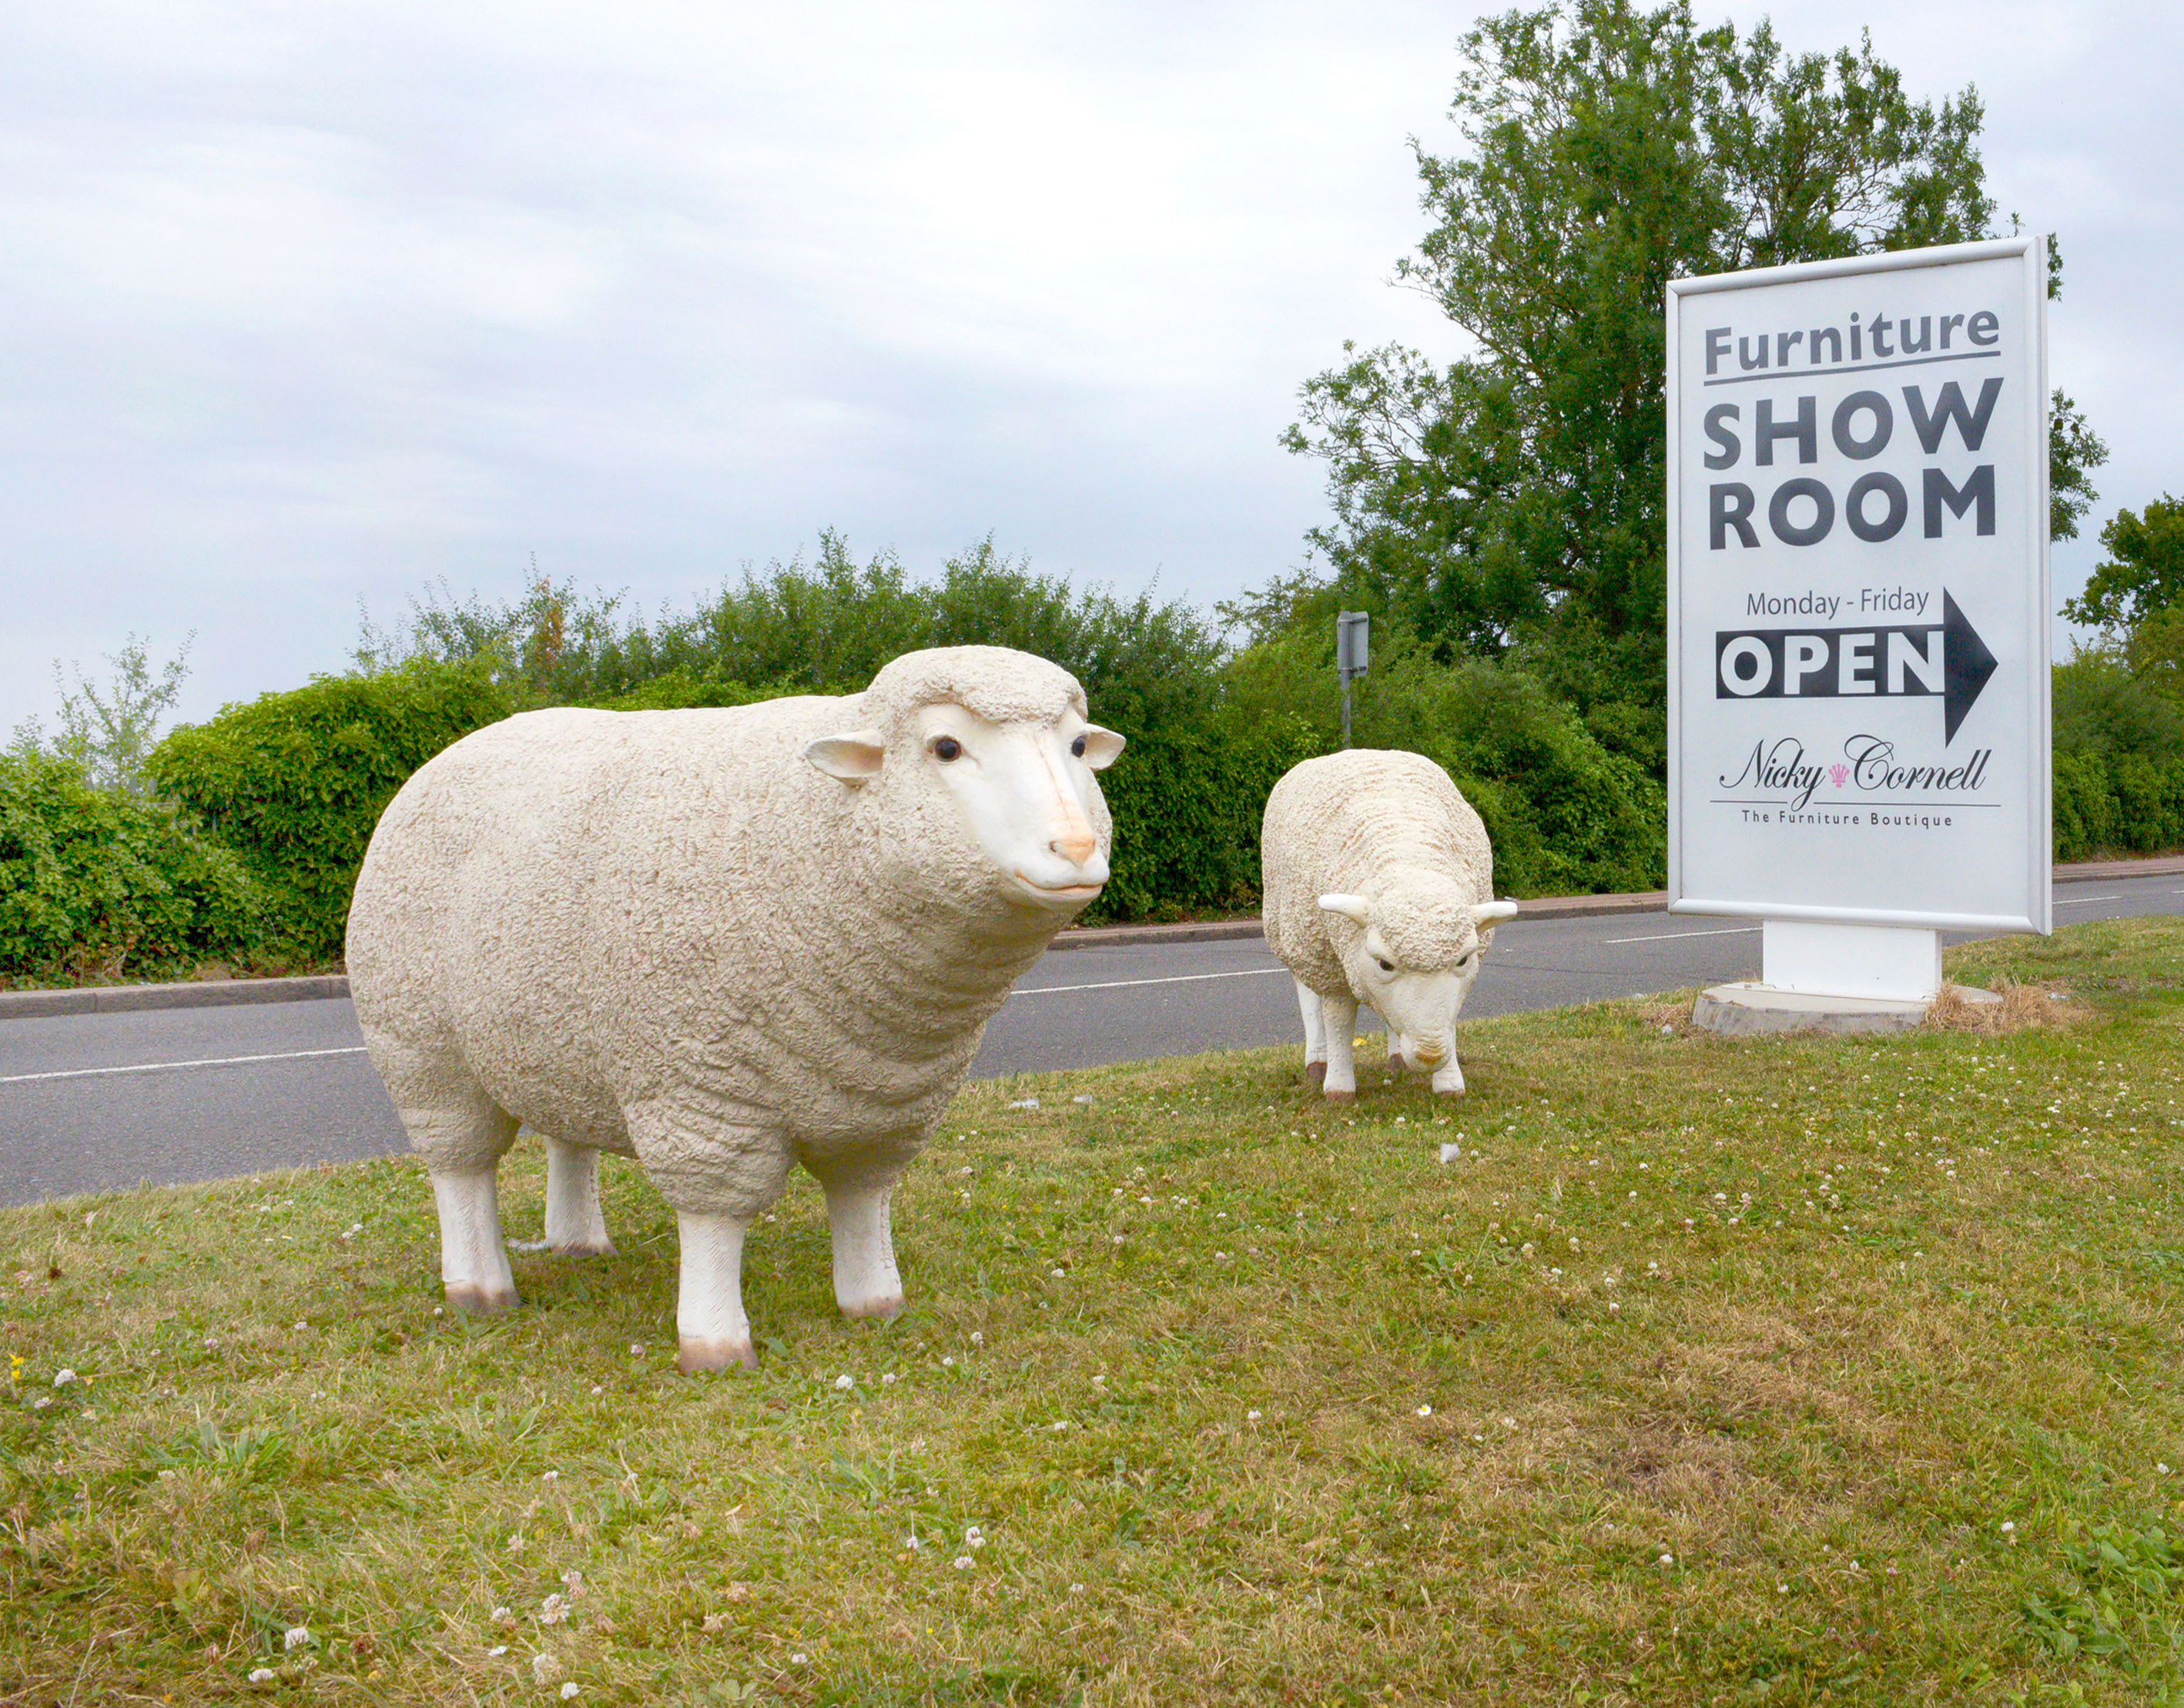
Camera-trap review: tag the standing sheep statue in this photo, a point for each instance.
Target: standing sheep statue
(721, 942)
(1380, 884)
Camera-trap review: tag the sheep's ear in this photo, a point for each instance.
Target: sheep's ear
(1354, 907)
(855, 758)
(1102, 747)
(1487, 914)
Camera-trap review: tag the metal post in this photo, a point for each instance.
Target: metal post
(1353, 637)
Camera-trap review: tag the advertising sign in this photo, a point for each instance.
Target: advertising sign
(1858, 590)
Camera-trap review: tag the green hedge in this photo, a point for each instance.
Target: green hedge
(1187, 804)
(294, 782)
(101, 886)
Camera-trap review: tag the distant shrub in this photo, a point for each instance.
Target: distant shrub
(294, 782)
(98, 883)
(2118, 785)
(1187, 799)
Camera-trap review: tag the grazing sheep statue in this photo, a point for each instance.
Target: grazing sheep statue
(721, 942)
(1378, 883)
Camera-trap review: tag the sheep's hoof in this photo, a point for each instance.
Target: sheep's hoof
(1448, 1091)
(880, 1309)
(477, 1301)
(698, 1356)
(584, 1248)
(1315, 1073)
(1341, 1096)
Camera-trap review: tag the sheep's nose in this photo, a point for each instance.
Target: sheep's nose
(1076, 847)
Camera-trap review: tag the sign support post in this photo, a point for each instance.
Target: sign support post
(1858, 613)
(1353, 637)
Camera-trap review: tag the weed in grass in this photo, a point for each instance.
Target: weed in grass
(1705, 1371)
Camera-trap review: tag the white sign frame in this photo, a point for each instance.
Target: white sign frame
(2025, 692)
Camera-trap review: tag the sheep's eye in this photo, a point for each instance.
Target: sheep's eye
(1385, 966)
(946, 748)
(1077, 747)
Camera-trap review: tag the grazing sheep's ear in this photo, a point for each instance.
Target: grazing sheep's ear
(1102, 747)
(855, 758)
(1354, 907)
(1485, 916)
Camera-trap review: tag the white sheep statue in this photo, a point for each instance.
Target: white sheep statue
(721, 942)
(1378, 883)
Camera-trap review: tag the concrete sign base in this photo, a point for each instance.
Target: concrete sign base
(1751, 1010)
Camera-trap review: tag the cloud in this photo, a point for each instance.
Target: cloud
(315, 305)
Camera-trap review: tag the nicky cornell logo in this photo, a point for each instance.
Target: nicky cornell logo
(1946, 659)
(1870, 763)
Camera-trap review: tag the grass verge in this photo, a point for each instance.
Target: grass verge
(1715, 1371)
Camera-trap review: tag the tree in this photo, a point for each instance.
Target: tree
(2144, 573)
(2075, 450)
(108, 732)
(1513, 498)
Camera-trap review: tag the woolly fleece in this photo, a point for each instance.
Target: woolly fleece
(671, 935)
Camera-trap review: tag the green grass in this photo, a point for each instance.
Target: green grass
(1714, 1373)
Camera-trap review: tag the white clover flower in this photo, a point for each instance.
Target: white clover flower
(263, 1675)
(2006, 1526)
(977, 1337)
(1250, 1417)
(842, 1384)
(545, 1666)
(549, 1477)
(1059, 1274)
(62, 1378)
(962, 1562)
(1668, 1560)
(502, 1616)
(974, 1538)
(637, 1348)
(947, 1364)
(553, 1610)
(496, 1651)
(887, 1379)
(912, 1543)
(42, 1402)
(571, 1690)
(573, 1581)
(799, 1659)
(294, 1637)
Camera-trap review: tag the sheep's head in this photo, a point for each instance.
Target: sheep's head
(1414, 952)
(980, 760)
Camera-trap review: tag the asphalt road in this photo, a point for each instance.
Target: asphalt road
(94, 1102)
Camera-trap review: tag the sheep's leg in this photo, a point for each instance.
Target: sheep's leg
(473, 1260)
(1315, 1034)
(1448, 1077)
(708, 1306)
(859, 1192)
(576, 1225)
(461, 1133)
(1338, 1017)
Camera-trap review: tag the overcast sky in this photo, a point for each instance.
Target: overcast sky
(309, 305)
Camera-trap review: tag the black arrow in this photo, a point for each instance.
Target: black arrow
(1966, 664)
(1947, 660)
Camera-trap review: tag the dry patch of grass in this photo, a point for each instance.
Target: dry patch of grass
(1819, 1370)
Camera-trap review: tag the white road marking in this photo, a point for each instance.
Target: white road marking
(2080, 900)
(1127, 984)
(175, 1066)
(1668, 936)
